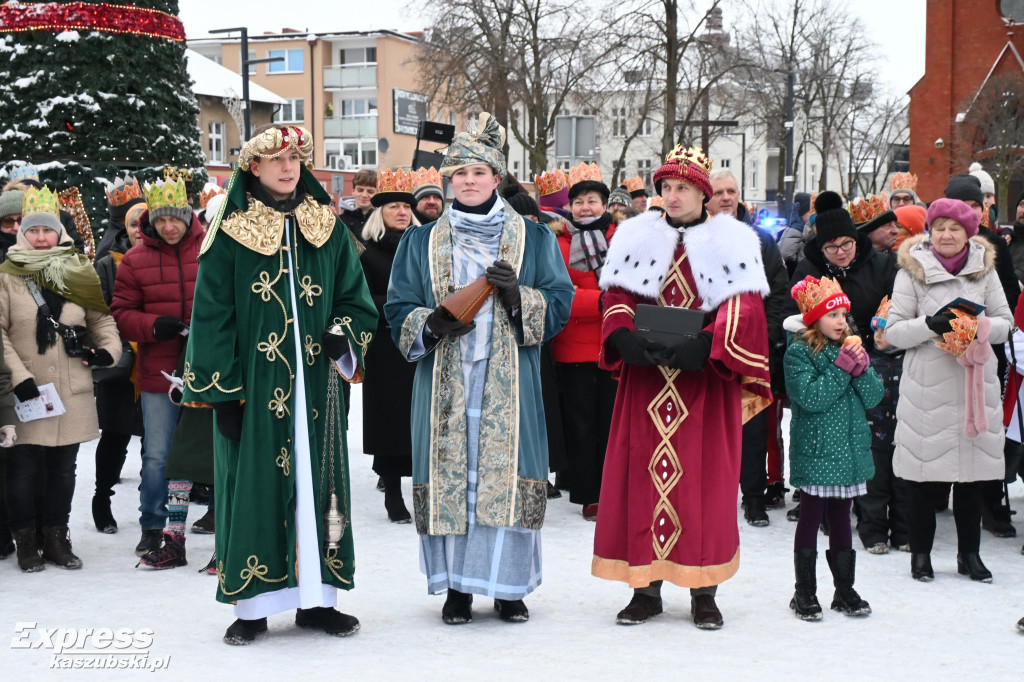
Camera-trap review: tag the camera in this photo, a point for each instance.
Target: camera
(76, 340)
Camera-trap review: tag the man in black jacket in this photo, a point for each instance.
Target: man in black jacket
(753, 470)
(364, 186)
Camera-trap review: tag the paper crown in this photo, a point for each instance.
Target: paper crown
(394, 181)
(172, 173)
(583, 172)
(123, 190)
(211, 190)
(422, 177)
(816, 297)
(881, 316)
(24, 173)
(866, 209)
(656, 202)
(550, 182)
(272, 142)
(634, 184)
(903, 181)
(965, 328)
(40, 201)
(166, 194)
(693, 155)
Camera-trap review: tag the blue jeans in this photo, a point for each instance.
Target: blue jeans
(160, 417)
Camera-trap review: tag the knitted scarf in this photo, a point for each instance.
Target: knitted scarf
(61, 270)
(589, 243)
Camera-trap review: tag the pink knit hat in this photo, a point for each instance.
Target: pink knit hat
(954, 209)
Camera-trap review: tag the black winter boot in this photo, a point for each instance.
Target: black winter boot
(969, 563)
(846, 600)
(805, 600)
(57, 547)
(29, 560)
(458, 608)
(101, 514)
(245, 632)
(394, 503)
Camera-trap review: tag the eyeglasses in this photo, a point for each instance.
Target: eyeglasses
(833, 249)
(901, 200)
(11, 221)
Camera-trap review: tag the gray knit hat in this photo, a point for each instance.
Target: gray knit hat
(620, 196)
(182, 214)
(10, 203)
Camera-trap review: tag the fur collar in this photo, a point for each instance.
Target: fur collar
(916, 258)
(724, 256)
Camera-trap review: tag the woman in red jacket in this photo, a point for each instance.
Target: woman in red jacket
(588, 393)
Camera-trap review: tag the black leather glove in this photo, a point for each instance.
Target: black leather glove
(689, 355)
(335, 345)
(633, 348)
(99, 357)
(229, 419)
(175, 394)
(940, 323)
(504, 279)
(26, 390)
(441, 323)
(167, 327)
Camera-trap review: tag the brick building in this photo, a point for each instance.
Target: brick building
(968, 42)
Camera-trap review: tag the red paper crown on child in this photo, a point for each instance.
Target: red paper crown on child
(816, 297)
(864, 210)
(583, 172)
(422, 177)
(394, 181)
(123, 190)
(550, 182)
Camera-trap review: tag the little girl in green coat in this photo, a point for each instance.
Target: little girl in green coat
(830, 383)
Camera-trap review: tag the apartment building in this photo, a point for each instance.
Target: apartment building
(356, 92)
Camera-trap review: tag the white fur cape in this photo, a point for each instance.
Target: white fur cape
(724, 255)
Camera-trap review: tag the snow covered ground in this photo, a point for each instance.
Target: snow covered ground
(941, 630)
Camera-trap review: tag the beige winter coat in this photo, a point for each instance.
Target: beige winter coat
(930, 441)
(72, 379)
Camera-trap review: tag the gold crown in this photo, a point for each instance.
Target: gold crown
(40, 201)
(550, 182)
(166, 194)
(583, 172)
(866, 209)
(123, 190)
(656, 202)
(172, 173)
(692, 155)
(272, 142)
(210, 191)
(422, 177)
(634, 184)
(394, 181)
(903, 181)
(811, 292)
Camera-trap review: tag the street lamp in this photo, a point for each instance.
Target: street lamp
(247, 125)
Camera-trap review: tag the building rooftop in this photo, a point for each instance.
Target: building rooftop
(210, 78)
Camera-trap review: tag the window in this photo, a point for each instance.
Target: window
(294, 61)
(565, 165)
(619, 169)
(358, 107)
(643, 169)
(363, 153)
(618, 121)
(515, 169)
(357, 56)
(215, 139)
(724, 163)
(451, 118)
(292, 112)
(217, 59)
(332, 154)
(252, 67)
(646, 127)
(753, 176)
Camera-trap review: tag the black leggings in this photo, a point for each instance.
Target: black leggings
(966, 514)
(23, 461)
(812, 509)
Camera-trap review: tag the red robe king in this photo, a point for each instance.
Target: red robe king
(671, 473)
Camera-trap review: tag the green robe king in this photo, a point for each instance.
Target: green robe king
(273, 277)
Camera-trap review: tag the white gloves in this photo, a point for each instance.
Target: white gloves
(8, 437)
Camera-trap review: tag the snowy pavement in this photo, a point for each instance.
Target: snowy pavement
(934, 631)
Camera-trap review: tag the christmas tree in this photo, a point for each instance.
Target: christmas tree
(90, 91)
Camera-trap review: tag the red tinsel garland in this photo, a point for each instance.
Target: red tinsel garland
(19, 17)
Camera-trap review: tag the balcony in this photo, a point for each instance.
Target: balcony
(342, 77)
(351, 126)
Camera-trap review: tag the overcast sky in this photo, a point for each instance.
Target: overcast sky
(898, 26)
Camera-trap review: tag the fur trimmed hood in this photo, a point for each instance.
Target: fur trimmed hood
(724, 256)
(916, 258)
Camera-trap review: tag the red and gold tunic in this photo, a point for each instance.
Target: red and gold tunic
(668, 498)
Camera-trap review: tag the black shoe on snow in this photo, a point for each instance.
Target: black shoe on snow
(754, 512)
(970, 564)
(806, 607)
(775, 496)
(640, 609)
(704, 610)
(331, 621)
(512, 611)
(553, 492)
(205, 525)
(171, 555)
(244, 632)
(102, 516)
(997, 521)
(794, 513)
(458, 608)
(150, 542)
